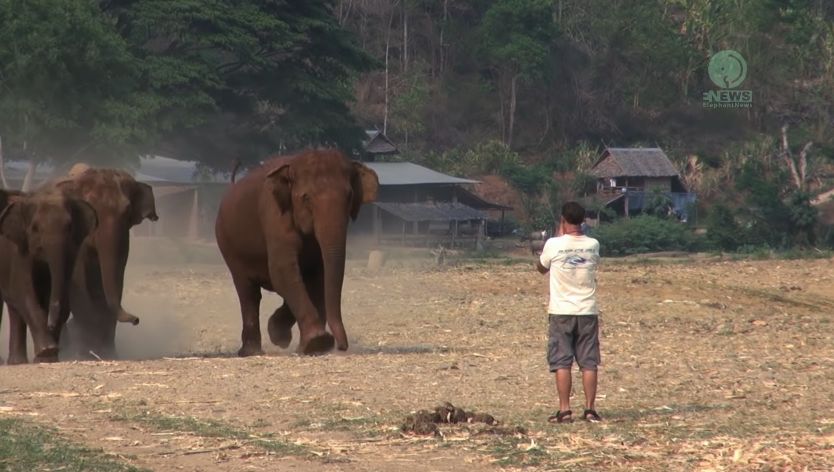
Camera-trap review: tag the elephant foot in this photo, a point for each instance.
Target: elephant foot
(17, 360)
(279, 327)
(46, 359)
(317, 344)
(342, 346)
(250, 350)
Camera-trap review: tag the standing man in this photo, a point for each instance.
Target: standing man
(572, 259)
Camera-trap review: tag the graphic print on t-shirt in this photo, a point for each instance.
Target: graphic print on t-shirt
(574, 261)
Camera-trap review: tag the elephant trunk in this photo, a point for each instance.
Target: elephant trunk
(113, 246)
(332, 241)
(58, 276)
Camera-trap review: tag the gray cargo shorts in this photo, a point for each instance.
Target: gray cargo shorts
(573, 337)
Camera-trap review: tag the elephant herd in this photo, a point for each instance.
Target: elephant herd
(63, 250)
(283, 227)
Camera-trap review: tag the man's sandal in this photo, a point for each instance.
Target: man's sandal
(561, 417)
(591, 416)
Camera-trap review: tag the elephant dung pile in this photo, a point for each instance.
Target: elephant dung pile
(425, 422)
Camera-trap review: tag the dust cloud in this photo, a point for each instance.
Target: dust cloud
(161, 332)
(183, 294)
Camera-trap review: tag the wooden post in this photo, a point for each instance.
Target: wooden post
(625, 203)
(376, 259)
(479, 239)
(377, 223)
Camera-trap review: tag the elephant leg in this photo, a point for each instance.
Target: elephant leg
(45, 345)
(280, 326)
(249, 295)
(281, 322)
(315, 288)
(17, 339)
(1, 324)
(287, 280)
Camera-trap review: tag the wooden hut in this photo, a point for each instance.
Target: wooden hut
(628, 177)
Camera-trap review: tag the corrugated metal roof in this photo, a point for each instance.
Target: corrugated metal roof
(16, 170)
(431, 211)
(634, 162)
(158, 169)
(160, 191)
(407, 173)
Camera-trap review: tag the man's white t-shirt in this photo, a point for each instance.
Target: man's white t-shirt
(572, 261)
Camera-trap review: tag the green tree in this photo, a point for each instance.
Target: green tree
(723, 231)
(68, 84)
(408, 108)
(803, 218)
(517, 40)
(244, 79)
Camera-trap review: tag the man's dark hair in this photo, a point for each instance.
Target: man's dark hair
(573, 213)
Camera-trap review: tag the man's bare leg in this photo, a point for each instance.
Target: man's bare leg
(589, 384)
(563, 387)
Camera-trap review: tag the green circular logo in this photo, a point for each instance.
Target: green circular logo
(727, 69)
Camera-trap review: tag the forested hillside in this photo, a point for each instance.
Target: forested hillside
(542, 75)
(527, 89)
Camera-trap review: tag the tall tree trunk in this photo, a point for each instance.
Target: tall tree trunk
(442, 42)
(3, 181)
(503, 114)
(345, 7)
(559, 17)
(387, 54)
(405, 37)
(511, 118)
(546, 122)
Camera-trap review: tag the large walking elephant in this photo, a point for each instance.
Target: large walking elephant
(98, 281)
(283, 228)
(41, 236)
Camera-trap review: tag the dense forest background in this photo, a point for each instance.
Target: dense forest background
(528, 90)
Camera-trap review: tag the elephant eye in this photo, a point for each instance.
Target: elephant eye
(305, 198)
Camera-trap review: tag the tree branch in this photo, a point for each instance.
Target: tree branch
(803, 161)
(789, 162)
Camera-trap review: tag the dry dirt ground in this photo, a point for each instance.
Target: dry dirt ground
(709, 364)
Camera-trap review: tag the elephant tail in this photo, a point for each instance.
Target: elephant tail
(235, 168)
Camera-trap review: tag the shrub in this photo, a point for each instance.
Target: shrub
(644, 234)
(722, 230)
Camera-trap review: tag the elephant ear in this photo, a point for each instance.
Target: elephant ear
(365, 185)
(14, 221)
(84, 219)
(142, 203)
(281, 183)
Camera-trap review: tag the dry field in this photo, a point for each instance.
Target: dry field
(708, 364)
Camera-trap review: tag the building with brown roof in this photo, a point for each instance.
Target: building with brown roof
(628, 177)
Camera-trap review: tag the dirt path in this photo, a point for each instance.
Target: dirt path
(707, 364)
